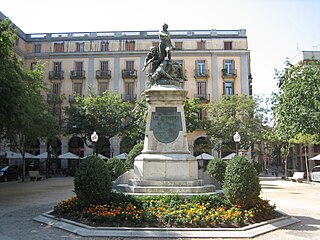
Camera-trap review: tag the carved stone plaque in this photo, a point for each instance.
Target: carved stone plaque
(166, 124)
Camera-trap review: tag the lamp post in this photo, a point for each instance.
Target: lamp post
(237, 139)
(94, 139)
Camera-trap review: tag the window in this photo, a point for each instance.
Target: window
(130, 65)
(130, 45)
(58, 47)
(201, 45)
(103, 87)
(37, 48)
(201, 68)
(202, 115)
(55, 89)
(227, 45)
(178, 45)
(77, 88)
(33, 66)
(104, 46)
(228, 66)
(57, 67)
(129, 91)
(80, 47)
(228, 88)
(202, 90)
(104, 66)
(79, 66)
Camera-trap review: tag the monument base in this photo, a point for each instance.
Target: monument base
(165, 165)
(166, 174)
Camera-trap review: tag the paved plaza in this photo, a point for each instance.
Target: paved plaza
(21, 202)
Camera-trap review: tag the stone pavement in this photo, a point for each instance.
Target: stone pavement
(21, 202)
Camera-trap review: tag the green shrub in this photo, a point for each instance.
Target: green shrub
(135, 151)
(116, 167)
(217, 168)
(241, 183)
(92, 181)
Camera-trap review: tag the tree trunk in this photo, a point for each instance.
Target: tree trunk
(306, 160)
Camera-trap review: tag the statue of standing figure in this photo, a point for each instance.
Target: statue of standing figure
(163, 69)
(165, 45)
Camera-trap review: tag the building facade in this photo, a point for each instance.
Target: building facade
(215, 62)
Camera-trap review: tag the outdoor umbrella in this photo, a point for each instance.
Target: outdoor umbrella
(99, 155)
(122, 156)
(11, 154)
(68, 155)
(205, 156)
(43, 155)
(230, 156)
(315, 158)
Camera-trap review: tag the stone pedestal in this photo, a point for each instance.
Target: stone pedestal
(166, 165)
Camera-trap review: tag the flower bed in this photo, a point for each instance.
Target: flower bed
(165, 211)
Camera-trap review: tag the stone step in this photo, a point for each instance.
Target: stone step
(125, 188)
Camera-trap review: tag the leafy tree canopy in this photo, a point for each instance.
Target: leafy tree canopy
(297, 104)
(106, 114)
(241, 114)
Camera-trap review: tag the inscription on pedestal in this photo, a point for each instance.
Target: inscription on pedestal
(166, 124)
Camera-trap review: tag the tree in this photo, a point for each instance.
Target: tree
(297, 104)
(35, 119)
(24, 115)
(232, 114)
(106, 114)
(305, 140)
(192, 109)
(12, 77)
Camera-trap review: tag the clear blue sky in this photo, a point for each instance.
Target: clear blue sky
(276, 29)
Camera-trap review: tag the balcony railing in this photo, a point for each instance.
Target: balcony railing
(129, 97)
(229, 73)
(54, 98)
(203, 97)
(129, 74)
(77, 74)
(54, 75)
(103, 74)
(203, 73)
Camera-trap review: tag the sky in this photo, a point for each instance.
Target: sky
(277, 30)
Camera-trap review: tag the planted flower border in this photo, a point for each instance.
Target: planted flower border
(205, 211)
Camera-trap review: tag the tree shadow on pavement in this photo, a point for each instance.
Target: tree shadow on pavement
(305, 224)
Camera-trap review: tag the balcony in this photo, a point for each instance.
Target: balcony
(203, 98)
(103, 74)
(54, 75)
(129, 97)
(129, 74)
(77, 74)
(203, 73)
(231, 73)
(54, 98)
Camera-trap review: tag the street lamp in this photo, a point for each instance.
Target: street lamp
(94, 139)
(237, 139)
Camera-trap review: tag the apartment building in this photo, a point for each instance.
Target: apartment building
(215, 62)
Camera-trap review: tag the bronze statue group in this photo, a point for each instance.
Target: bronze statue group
(163, 70)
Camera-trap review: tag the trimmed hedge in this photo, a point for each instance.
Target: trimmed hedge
(241, 183)
(92, 181)
(217, 168)
(116, 167)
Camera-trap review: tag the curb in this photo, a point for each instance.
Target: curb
(88, 231)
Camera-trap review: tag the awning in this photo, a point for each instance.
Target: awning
(122, 156)
(230, 156)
